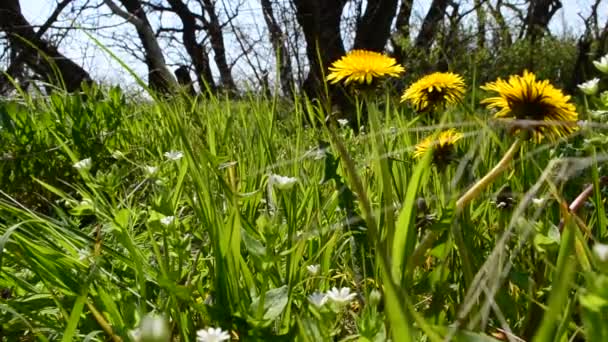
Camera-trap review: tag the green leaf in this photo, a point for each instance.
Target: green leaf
(275, 301)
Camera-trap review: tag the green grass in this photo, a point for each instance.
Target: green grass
(87, 254)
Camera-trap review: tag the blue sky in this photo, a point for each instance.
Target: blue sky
(103, 67)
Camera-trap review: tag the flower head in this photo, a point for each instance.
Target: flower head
(318, 299)
(602, 64)
(212, 335)
(601, 252)
(313, 269)
(442, 146)
(590, 87)
(150, 170)
(167, 220)
(435, 91)
(83, 165)
(342, 122)
(341, 296)
(174, 155)
(533, 106)
(362, 66)
(282, 182)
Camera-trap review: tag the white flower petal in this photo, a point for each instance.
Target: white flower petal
(167, 220)
(174, 155)
(318, 299)
(282, 182)
(83, 165)
(601, 252)
(590, 87)
(313, 269)
(602, 64)
(212, 335)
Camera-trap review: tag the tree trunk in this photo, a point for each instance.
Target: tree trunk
(320, 22)
(196, 51)
(277, 39)
(159, 76)
(401, 37)
(214, 29)
(481, 23)
(430, 25)
(184, 80)
(374, 28)
(539, 15)
(39, 55)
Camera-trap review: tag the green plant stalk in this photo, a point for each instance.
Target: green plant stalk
(490, 177)
(562, 277)
(600, 232)
(70, 330)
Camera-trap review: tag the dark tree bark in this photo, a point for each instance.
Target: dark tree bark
(320, 22)
(196, 50)
(43, 58)
(216, 37)
(374, 28)
(184, 80)
(538, 17)
(277, 39)
(402, 29)
(430, 25)
(159, 76)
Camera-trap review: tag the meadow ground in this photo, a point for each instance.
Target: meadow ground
(262, 219)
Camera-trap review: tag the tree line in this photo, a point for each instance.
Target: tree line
(305, 36)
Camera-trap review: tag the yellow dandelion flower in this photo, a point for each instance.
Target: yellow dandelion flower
(442, 146)
(435, 91)
(533, 106)
(363, 66)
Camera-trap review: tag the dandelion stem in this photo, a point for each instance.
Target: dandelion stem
(502, 165)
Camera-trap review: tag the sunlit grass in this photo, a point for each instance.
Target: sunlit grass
(239, 215)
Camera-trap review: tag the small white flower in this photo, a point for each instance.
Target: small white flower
(313, 269)
(342, 122)
(83, 165)
(212, 335)
(602, 64)
(118, 155)
(154, 328)
(174, 155)
(282, 182)
(317, 299)
(150, 170)
(590, 87)
(538, 201)
(167, 220)
(341, 296)
(601, 252)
